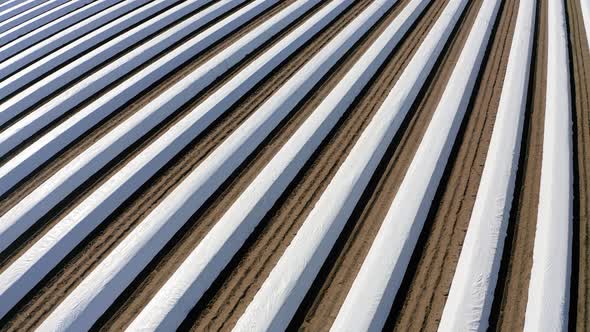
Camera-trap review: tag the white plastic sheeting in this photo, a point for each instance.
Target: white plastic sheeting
(33, 62)
(586, 16)
(36, 17)
(472, 290)
(15, 12)
(57, 138)
(549, 286)
(48, 29)
(10, 8)
(58, 186)
(279, 297)
(101, 287)
(370, 298)
(117, 69)
(52, 247)
(204, 264)
(138, 248)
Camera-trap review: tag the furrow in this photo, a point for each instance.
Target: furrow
(90, 8)
(24, 11)
(11, 8)
(371, 210)
(253, 165)
(130, 256)
(580, 49)
(419, 303)
(232, 230)
(138, 156)
(244, 275)
(78, 263)
(508, 308)
(472, 291)
(549, 286)
(48, 194)
(173, 254)
(281, 293)
(332, 284)
(40, 60)
(104, 127)
(33, 19)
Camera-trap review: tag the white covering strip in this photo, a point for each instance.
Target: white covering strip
(370, 298)
(9, 10)
(279, 297)
(32, 207)
(84, 305)
(586, 16)
(199, 270)
(53, 246)
(40, 58)
(48, 29)
(549, 286)
(36, 17)
(472, 290)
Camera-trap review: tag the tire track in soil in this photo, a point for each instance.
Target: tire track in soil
(169, 259)
(94, 134)
(329, 291)
(30, 311)
(226, 300)
(511, 295)
(422, 295)
(59, 49)
(580, 82)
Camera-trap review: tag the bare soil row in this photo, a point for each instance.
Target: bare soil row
(420, 301)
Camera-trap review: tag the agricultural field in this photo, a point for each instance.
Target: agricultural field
(270, 165)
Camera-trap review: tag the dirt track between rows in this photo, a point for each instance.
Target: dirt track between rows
(580, 67)
(330, 288)
(83, 75)
(419, 303)
(512, 290)
(41, 300)
(288, 214)
(422, 296)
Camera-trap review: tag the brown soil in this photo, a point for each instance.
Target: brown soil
(233, 290)
(94, 134)
(45, 297)
(580, 55)
(511, 294)
(203, 220)
(170, 258)
(420, 301)
(168, 6)
(331, 286)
